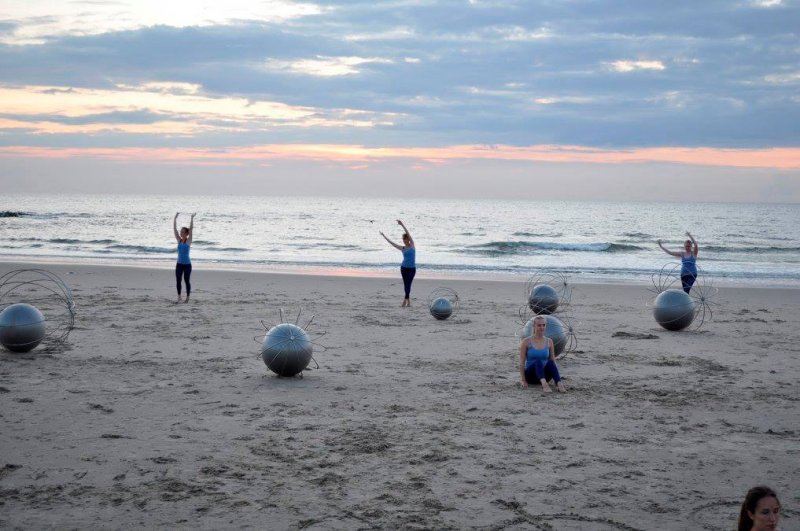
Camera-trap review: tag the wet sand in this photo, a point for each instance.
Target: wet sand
(159, 415)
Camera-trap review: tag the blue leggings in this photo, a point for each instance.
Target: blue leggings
(408, 276)
(541, 369)
(687, 280)
(184, 270)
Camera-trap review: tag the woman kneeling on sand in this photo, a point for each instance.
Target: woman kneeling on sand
(537, 359)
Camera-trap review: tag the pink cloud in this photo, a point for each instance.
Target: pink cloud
(357, 155)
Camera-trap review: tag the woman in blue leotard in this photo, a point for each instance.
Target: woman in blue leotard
(688, 261)
(184, 266)
(409, 266)
(537, 359)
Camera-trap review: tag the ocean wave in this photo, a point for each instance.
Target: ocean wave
(13, 214)
(226, 249)
(638, 235)
(525, 247)
(143, 249)
(538, 234)
(748, 249)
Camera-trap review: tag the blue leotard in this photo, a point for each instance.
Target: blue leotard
(409, 257)
(536, 354)
(183, 253)
(689, 265)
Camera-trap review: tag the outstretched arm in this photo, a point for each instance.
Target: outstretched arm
(673, 253)
(191, 229)
(398, 247)
(522, 381)
(175, 226)
(695, 248)
(405, 229)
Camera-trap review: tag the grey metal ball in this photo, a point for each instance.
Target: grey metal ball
(555, 330)
(673, 309)
(543, 299)
(21, 327)
(441, 308)
(286, 350)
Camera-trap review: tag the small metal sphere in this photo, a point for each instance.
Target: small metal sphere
(543, 299)
(21, 327)
(674, 309)
(555, 330)
(286, 350)
(441, 308)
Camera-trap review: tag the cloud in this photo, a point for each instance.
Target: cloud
(630, 66)
(325, 66)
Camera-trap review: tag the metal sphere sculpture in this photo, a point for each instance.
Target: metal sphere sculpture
(556, 330)
(21, 327)
(679, 310)
(543, 299)
(443, 303)
(674, 309)
(40, 310)
(287, 349)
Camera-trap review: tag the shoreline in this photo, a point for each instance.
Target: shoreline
(343, 272)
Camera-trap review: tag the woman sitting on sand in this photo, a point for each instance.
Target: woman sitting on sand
(688, 261)
(537, 359)
(760, 510)
(409, 266)
(184, 265)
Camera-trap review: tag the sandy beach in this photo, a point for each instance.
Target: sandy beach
(159, 415)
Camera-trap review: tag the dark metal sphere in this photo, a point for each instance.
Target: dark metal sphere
(286, 350)
(555, 330)
(441, 308)
(21, 327)
(543, 299)
(673, 309)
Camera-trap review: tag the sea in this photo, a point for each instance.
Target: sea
(743, 244)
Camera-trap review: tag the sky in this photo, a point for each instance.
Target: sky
(622, 100)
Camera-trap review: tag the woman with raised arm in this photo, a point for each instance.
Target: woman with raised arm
(409, 266)
(688, 261)
(537, 359)
(184, 266)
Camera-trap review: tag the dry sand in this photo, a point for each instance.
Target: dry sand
(159, 415)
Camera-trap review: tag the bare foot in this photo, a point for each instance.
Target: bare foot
(186, 301)
(178, 300)
(546, 388)
(560, 387)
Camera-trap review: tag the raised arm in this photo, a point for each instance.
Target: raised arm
(191, 229)
(695, 248)
(522, 351)
(405, 229)
(175, 226)
(398, 247)
(673, 253)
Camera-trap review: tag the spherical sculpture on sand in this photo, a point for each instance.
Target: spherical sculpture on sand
(441, 308)
(555, 330)
(674, 309)
(21, 327)
(543, 299)
(286, 349)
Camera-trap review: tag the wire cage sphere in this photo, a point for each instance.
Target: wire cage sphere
(677, 312)
(38, 308)
(287, 349)
(443, 303)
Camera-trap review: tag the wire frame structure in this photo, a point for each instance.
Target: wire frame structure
(287, 348)
(546, 293)
(703, 293)
(443, 303)
(49, 294)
